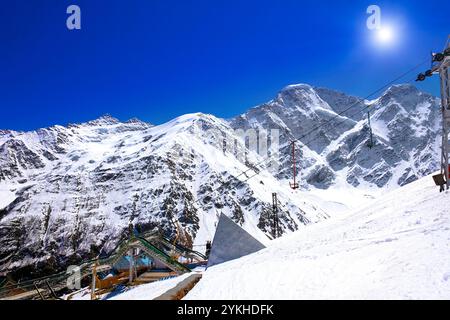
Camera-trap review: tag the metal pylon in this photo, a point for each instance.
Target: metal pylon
(440, 65)
(275, 221)
(294, 185)
(445, 106)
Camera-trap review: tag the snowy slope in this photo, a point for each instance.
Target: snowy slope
(332, 143)
(69, 193)
(396, 248)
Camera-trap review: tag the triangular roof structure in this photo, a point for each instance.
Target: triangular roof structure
(231, 242)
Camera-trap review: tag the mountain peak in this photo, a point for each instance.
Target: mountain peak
(404, 88)
(136, 121)
(191, 117)
(298, 86)
(4, 132)
(406, 95)
(301, 96)
(104, 120)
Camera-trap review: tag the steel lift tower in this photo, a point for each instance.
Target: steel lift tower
(440, 65)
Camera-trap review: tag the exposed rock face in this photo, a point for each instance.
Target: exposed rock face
(405, 124)
(72, 192)
(67, 193)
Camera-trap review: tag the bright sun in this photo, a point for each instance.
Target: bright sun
(385, 35)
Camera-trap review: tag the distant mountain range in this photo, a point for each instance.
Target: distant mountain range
(68, 193)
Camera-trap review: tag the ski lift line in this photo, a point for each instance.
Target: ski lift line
(366, 108)
(365, 98)
(307, 144)
(344, 111)
(331, 119)
(294, 185)
(401, 76)
(303, 136)
(370, 130)
(312, 140)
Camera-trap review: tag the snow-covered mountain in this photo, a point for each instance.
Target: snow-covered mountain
(395, 248)
(405, 124)
(70, 192)
(67, 193)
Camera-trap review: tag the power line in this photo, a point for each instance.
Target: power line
(366, 108)
(337, 124)
(341, 113)
(359, 100)
(365, 98)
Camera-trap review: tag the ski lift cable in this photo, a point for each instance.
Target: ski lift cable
(370, 130)
(327, 122)
(263, 161)
(366, 108)
(313, 139)
(365, 98)
(347, 109)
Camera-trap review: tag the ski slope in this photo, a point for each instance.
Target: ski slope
(396, 248)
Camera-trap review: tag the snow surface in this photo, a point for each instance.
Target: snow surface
(396, 248)
(6, 198)
(82, 185)
(147, 291)
(152, 290)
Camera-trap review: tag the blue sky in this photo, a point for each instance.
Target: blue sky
(157, 59)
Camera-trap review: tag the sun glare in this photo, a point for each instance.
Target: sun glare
(385, 35)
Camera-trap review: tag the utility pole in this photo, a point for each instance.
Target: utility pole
(94, 277)
(370, 131)
(294, 185)
(445, 101)
(275, 222)
(440, 64)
